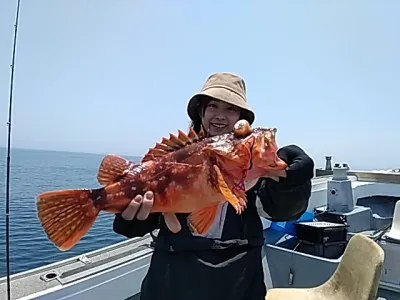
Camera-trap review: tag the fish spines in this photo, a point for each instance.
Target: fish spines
(171, 144)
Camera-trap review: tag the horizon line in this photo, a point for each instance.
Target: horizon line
(69, 151)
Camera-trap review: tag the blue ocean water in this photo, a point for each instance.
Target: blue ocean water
(36, 171)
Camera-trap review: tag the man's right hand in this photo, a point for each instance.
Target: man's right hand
(140, 207)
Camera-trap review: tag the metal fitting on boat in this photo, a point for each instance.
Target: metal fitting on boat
(49, 276)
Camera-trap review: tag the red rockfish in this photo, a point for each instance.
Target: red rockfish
(188, 173)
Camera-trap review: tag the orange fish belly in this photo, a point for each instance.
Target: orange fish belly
(192, 195)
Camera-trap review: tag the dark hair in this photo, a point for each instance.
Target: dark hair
(196, 126)
(201, 105)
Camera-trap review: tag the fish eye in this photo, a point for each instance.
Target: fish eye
(242, 128)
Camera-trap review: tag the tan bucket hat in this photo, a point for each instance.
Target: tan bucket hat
(222, 86)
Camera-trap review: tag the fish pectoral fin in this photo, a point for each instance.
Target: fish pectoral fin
(238, 203)
(200, 221)
(235, 162)
(112, 168)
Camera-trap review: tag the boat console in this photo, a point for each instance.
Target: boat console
(344, 203)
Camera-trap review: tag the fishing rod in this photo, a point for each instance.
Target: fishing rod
(9, 155)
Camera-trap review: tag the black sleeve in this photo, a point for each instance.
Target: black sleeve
(282, 202)
(135, 228)
(287, 199)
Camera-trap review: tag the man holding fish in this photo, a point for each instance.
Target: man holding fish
(223, 262)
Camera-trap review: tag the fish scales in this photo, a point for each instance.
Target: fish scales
(188, 173)
(166, 177)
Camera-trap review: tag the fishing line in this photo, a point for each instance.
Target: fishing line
(9, 155)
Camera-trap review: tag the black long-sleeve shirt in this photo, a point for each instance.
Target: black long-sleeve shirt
(226, 262)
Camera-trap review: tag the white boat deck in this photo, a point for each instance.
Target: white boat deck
(118, 267)
(116, 272)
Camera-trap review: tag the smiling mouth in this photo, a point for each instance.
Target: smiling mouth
(218, 125)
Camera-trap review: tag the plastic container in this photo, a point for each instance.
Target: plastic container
(289, 227)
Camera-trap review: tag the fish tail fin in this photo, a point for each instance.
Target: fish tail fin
(66, 215)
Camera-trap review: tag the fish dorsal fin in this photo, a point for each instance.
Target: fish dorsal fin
(112, 168)
(172, 143)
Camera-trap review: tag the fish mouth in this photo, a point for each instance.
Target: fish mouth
(265, 160)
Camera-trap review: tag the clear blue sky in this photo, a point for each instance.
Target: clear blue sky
(115, 76)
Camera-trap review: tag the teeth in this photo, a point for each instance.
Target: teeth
(218, 125)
